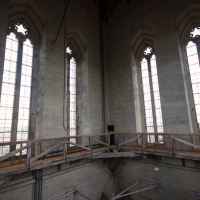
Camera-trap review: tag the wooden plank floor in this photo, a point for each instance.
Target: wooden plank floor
(19, 166)
(162, 151)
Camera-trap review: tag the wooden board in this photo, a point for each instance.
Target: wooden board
(59, 154)
(74, 154)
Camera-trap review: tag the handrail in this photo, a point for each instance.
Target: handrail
(51, 139)
(8, 155)
(60, 147)
(85, 136)
(179, 134)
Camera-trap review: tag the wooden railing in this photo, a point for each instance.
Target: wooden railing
(46, 152)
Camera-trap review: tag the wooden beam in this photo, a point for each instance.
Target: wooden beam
(99, 141)
(172, 145)
(90, 145)
(12, 153)
(65, 150)
(188, 143)
(129, 140)
(90, 152)
(78, 145)
(175, 134)
(113, 155)
(46, 152)
(86, 136)
(28, 158)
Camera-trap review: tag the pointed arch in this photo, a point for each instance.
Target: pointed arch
(186, 22)
(139, 42)
(188, 19)
(29, 14)
(78, 44)
(146, 86)
(77, 41)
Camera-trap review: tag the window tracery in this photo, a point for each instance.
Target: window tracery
(16, 86)
(151, 95)
(71, 86)
(193, 55)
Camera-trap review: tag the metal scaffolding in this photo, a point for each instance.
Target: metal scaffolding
(160, 185)
(76, 191)
(121, 194)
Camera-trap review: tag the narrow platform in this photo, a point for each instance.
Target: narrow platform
(20, 165)
(54, 151)
(162, 151)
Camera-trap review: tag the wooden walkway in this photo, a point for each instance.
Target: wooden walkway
(20, 164)
(54, 151)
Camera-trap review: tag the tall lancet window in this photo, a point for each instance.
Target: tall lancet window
(71, 93)
(153, 113)
(16, 87)
(193, 54)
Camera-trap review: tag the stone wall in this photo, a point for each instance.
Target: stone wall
(44, 19)
(3, 23)
(159, 19)
(81, 16)
(155, 17)
(93, 176)
(170, 173)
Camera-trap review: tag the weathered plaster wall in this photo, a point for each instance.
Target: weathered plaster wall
(56, 183)
(170, 173)
(3, 24)
(49, 65)
(158, 18)
(81, 15)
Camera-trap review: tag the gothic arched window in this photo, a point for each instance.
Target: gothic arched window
(16, 86)
(71, 91)
(193, 55)
(151, 94)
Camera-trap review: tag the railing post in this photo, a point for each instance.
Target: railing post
(142, 143)
(109, 141)
(40, 147)
(20, 157)
(117, 141)
(68, 144)
(172, 145)
(75, 196)
(28, 158)
(65, 150)
(90, 145)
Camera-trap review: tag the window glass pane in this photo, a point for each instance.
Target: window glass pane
(72, 89)
(8, 87)
(156, 93)
(147, 97)
(148, 77)
(25, 92)
(194, 68)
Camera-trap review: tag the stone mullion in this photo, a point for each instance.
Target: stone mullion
(76, 100)
(17, 95)
(68, 94)
(198, 49)
(152, 97)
